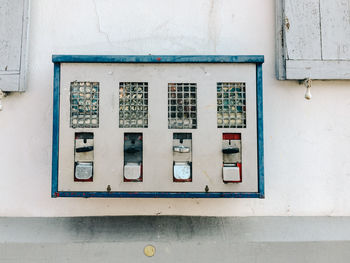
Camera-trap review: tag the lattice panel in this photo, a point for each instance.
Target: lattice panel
(182, 105)
(133, 104)
(84, 104)
(231, 105)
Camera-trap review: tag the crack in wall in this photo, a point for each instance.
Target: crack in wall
(213, 26)
(106, 35)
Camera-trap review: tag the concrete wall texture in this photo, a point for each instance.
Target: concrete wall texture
(306, 142)
(175, 239)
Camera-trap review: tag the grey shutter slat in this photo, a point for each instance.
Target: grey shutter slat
(335, 17)
(13, 44)
(11, 13)
(301, 69)
(302, 27)
(9, 80)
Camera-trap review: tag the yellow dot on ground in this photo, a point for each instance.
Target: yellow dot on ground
(149, 250)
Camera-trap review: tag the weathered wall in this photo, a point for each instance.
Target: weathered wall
(175, 239)
(306, 142)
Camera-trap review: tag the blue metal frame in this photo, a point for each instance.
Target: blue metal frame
(155, 59)
(57, 59)
(56, 127)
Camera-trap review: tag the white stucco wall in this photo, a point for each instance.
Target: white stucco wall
(307, 143)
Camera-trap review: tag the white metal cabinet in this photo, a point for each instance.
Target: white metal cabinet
(109, 131)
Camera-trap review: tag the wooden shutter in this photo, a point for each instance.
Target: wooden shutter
(313, 39)
(13, 44)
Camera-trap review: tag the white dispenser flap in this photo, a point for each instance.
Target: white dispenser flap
(231, 173)
(182, 171)
(132, 171)
(83, 171)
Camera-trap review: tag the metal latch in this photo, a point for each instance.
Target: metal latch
(181, 149)
(230, 150)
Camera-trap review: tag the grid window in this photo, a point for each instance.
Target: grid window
(182, 105)
(84, 101)
(231, 105)
(133, 105)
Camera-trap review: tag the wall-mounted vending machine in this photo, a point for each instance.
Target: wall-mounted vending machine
(158, 126)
